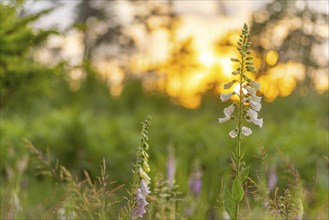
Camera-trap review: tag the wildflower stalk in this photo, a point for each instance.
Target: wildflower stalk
(248, 106)
(141, 179)
(238, 148)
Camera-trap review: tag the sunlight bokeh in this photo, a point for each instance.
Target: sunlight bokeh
(182, 58)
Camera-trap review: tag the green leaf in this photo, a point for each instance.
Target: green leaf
(229, 203)
(244, 173)
(237, 190)
(234, 60)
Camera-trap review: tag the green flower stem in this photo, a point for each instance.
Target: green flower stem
(238, 148)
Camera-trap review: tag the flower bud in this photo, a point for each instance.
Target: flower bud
(229, 84)
(146, 167)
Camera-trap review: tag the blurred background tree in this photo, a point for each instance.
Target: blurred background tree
(292, 31)
(20, 75)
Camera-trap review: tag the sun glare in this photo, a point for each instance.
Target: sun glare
(226, 66)
(207, 59)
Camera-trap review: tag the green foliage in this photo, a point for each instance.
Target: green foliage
(237, 190)
(19, 73)
(81, 199)
(164, 199)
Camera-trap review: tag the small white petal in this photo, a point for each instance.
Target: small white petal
(223, 120)
(255, 85)
(229, 110)
(246, 131)
(255, 98)
(226, 216)
(255, 106)
(251, 91)
(251, 113)
(233, 133)
(257, 121)
(225, 97)
(145, 189)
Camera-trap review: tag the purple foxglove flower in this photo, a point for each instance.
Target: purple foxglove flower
(195, 185)
(272, 179)
(195, 181)
(144, 188)
(171, 169)
(139, 210)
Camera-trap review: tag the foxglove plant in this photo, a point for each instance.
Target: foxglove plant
(142, 180)
(171, 168)
(246, 108)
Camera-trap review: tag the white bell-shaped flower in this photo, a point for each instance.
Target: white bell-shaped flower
(254, 98)
(252, 117)
(223, 120)
(256, 121)
(255, 85)
(255, 106)
(233, 133)
(229, 110)
(246, 131)
(252, 113)
(225, 97)
(250, 90)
